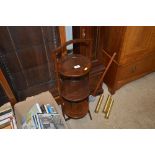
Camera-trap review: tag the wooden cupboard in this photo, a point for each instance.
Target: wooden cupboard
(135, 48)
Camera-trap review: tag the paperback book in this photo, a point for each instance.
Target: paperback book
(50, 121)
(27, 121)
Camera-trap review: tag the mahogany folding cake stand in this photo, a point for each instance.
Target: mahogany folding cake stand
(73, 81)
(74, 73)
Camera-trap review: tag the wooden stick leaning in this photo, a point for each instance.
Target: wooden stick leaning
(104, 73)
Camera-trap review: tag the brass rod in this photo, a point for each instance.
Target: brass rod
(105, 109)
(109, 109)
(99, 103)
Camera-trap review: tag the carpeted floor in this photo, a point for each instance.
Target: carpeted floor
(134, 107)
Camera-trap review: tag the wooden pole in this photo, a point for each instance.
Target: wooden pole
(104, 73)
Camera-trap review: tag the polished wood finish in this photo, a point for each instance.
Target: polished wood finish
(69, 64)
(7, 89)
(73, 76)
(76, 111)
(74, 81)
(25, 55)
(135, 50)
(62, 34)
(75, 87)
(60, 52)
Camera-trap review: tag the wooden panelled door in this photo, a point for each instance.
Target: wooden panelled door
(138, 42)
(25, 56)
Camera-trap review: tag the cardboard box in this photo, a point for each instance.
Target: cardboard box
(21, 108)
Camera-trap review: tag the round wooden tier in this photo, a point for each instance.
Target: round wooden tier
(74, 72)
(74, 65)
(74, 110)
(75, 90)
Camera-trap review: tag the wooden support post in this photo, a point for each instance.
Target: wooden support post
(7, 89)
(62, 32)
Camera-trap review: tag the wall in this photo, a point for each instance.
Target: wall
(69, 36)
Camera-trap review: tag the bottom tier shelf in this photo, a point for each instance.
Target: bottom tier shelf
(75, 109)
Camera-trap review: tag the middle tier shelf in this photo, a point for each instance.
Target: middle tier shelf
(75, 90)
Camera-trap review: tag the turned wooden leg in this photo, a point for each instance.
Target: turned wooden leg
(89, 114)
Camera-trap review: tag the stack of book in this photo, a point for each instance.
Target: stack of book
(42, 117)
(7, 119)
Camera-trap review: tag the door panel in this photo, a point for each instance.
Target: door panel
(111, 38)
(26, 58)
(138, 42)
(32, 56)
(25, 36)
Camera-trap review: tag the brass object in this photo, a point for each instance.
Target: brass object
(109, 109)
(105, 109)
(99, 103)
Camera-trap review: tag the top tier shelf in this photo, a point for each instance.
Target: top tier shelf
(74, 65)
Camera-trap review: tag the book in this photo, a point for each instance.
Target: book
(4, 121)
(13, 123)
(46, 108)
(8, 123)
(43, 108)
(5, 107)
(50, 109)
(46, 121)
(29, 122)
(37, 122)
(6, 115)
(6, 111)
(34, 110)
(51, 121)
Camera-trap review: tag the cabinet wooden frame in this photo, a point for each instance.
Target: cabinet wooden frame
(7, 89)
